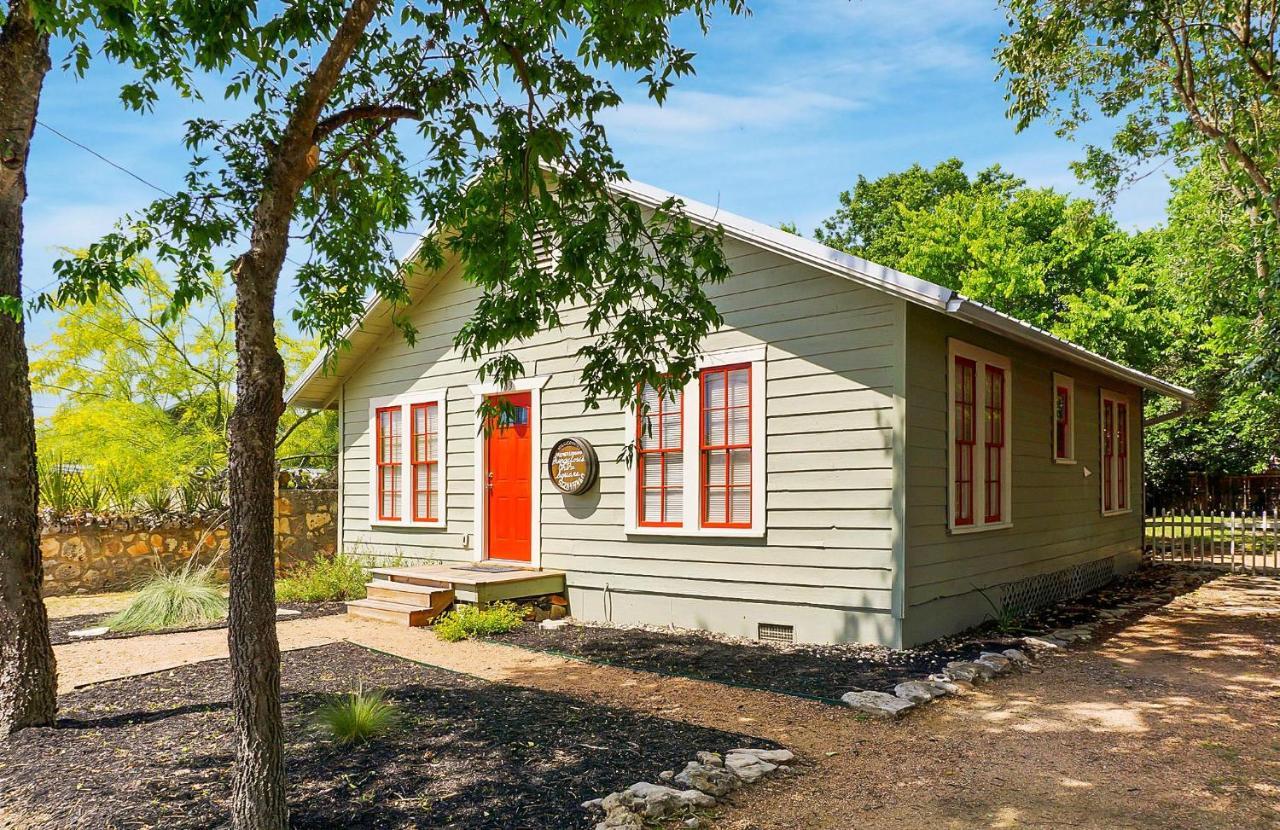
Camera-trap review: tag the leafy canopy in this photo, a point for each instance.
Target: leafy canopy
(143, 396)
(480, 120)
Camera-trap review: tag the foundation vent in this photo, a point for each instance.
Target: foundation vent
(775, 633)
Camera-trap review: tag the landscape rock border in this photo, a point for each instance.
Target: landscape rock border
(960, 676)
(706, 780)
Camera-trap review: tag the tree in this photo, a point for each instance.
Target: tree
(1042, 256)
(1187, 79)
(132, 31)
(516, 161)
(28, 680)
(144, 396)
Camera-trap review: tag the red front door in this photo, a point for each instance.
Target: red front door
(508, 479)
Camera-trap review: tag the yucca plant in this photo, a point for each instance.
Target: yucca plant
(59, 485)
(91, 495)
(357, 717)
(122, 491)
(183, 597)
(191, 495)
(157, 501)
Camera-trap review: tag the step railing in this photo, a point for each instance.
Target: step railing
(1235, 541)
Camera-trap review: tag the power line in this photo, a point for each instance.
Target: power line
(124, 170)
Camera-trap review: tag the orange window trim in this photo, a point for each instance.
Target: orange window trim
(965, 395)
(727, 447)
(994, 445)
(658, 455)
(421, 462)
(385, 459)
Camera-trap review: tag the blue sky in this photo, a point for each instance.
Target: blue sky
(787, 108)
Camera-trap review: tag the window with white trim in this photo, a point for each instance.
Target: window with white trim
(979, 456)
(1064, 419)
(699, 467)
(1115, 453)
(406, 482)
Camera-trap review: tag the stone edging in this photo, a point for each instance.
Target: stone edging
(960, 676)
(708, 779)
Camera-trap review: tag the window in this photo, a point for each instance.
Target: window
(700, 456)
(1115, 453)
(726, 446)
(660, 456)
(1064, 422)
(424, 460)
(979, 455)
(388, 456)
(407, 470)
(994, 445)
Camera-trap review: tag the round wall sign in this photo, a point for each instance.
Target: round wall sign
(572, 465)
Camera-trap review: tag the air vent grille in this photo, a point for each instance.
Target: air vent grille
(775, 633)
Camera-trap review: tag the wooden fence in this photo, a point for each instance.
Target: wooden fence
(1236, 541)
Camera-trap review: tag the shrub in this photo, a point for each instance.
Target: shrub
(186, 596)
(325, 579)
(466, 621)
(357, 716)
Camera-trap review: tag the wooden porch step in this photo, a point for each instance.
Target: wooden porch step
(399, 613)
(407, 592)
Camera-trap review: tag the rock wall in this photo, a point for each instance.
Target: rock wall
(114, 555)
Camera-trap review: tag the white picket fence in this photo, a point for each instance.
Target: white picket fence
(1243, 542)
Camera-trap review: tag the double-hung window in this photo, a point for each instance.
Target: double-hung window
(660, 458)
(1115, 453)
(699, 467)
(1064, 419)
(407, 471)
(979, 458)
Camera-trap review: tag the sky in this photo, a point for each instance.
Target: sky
(788, 107)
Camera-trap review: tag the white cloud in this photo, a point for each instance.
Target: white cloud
(690, 115)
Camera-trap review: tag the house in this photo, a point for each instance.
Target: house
(865, 456)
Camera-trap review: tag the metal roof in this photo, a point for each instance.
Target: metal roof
(315, 388)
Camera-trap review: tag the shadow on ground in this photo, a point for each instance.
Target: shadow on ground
(155, 751)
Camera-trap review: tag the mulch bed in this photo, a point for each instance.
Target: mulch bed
(60, 628)
(825, 672)
(155, 751)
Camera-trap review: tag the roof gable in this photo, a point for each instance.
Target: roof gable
(316, 388)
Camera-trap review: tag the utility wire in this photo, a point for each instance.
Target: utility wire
(122, 169)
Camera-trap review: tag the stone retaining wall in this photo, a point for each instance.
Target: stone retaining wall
(114, 555)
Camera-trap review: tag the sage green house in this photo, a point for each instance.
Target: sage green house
(862, 456)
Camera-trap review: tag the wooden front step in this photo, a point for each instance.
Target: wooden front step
(413, 613)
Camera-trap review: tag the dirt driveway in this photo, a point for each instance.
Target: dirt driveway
(1171, 723)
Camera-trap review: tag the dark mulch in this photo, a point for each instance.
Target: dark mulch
(825, 672)
(155, 751)
(60, 628)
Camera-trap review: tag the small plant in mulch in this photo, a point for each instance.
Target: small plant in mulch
(357, 717)
(325, 579)
(183, 597)
(469, 621)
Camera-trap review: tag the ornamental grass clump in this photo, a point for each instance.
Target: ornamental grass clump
(468, 621)
(357, 717)
(181, 598)
(326, 579)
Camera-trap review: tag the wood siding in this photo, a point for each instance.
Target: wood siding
(833, 386)
(1056, 509)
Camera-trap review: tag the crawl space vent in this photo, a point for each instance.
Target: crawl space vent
(774, 633)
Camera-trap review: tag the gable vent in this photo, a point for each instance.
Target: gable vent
(774, 633)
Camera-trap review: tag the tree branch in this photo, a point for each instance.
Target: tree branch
(360, 112)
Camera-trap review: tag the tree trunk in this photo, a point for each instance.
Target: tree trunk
(258, 780)
(28, 677)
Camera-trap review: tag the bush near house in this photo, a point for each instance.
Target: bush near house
(334, 578)
(469, 621)
(183, 597)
